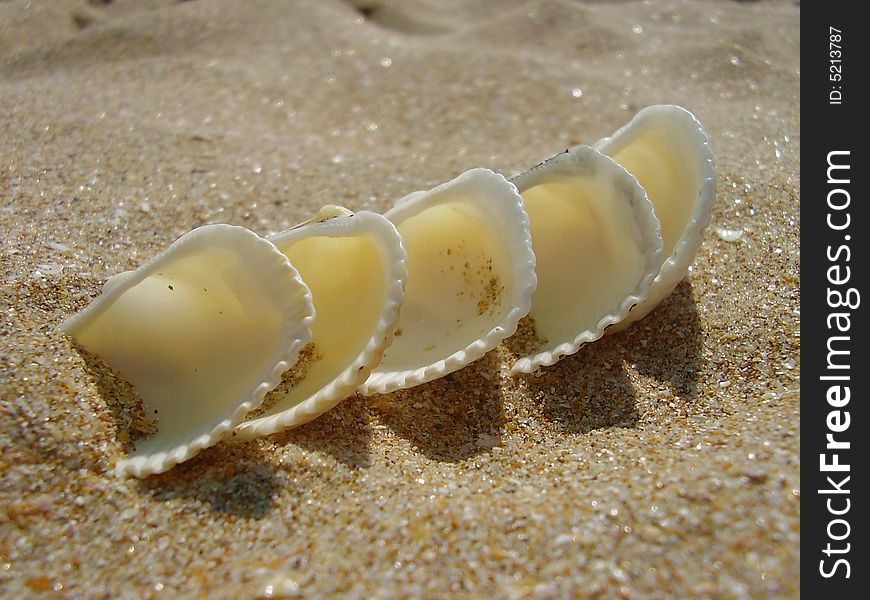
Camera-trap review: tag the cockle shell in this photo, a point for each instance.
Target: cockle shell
(470, 277)
(598, 248)
(203, 331)
(355, 266)
(666, 149)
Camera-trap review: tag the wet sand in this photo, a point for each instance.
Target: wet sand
(658, 462)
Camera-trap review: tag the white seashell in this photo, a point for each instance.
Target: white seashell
(114, 280)
(355, 265)
(202, 331)
(666, 149)
(598, 248)
(729, 235)
(470, 277)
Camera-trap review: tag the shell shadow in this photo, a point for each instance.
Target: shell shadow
(452, 418)
(592, 389)
(234, 479)
(239, 478)
(231, 478)
(344, 433)
(667, 345)
(586, 391)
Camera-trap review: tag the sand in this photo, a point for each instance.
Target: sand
(659, 462)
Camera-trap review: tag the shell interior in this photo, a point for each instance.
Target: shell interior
(355, 267)
(202, 332)
(598, 248)
(470, 277)
(666, 149)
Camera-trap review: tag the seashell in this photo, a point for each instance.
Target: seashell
(598, 248)
(470, 277)
(202, 331)
(355, 266)
(666, 149)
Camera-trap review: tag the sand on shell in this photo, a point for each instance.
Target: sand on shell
(659, 462)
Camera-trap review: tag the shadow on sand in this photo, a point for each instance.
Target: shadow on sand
(452, 418)
(667, 344)
(462, 414)
(232, 477)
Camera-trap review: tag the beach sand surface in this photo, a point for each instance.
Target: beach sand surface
(660, 462)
